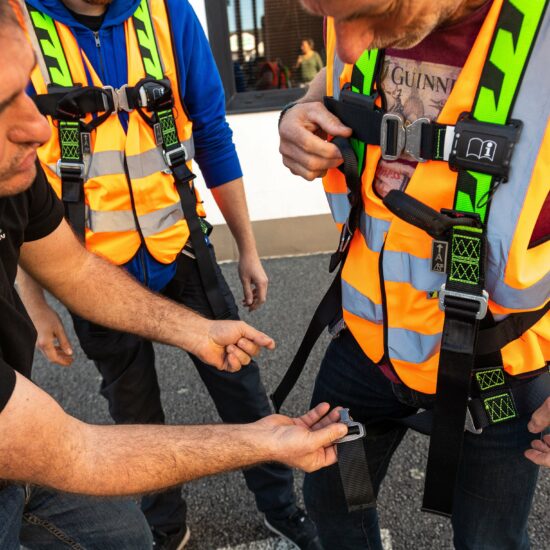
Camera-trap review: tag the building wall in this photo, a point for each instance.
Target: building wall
(289, 215)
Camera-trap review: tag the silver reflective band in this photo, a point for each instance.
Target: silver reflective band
(409, 137)
(75, 167)
(482, 300)
(346, 419)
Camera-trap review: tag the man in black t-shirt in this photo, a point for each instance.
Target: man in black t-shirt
(41, 444)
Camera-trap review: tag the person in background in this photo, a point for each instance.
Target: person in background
(309, 63)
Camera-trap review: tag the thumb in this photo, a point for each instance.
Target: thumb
(64, 342)
(328, 435)
(329, 123)
(258, 337)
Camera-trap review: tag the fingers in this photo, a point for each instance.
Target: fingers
(313, 416)
(541, 418)
(248, 295)
(304, 152)
(257, 337)
(324, 437)
(55, 353)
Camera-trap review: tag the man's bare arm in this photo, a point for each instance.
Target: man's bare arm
(303, 131)
(105, 294)
(231, 200)
(40, 443)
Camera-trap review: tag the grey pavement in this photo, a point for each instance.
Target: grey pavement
(221, 510)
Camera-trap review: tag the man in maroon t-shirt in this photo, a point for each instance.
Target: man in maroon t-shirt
(426, 45)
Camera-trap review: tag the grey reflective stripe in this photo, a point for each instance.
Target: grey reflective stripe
(400, 267)
(358, 304)
(114, 221)
(337, 69)
(373, 231)
(106, 163)
(412, 347)
(532, 107)
(159, 220)
(339, 206)
(152, 161)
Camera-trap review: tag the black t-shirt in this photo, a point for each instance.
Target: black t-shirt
(28, 216)
(93, 22)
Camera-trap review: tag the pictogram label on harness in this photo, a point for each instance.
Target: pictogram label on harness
(439, 256)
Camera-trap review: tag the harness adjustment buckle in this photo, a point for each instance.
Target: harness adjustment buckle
(397, 138)
(155, 95)
(74, 169)
(356, 430)
(392, 151)
(469, 424)
(413, 141)
(175, 156)
(484, 147)
(482, 301)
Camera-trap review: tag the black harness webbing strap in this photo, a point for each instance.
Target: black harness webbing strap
(205, 263)
(330, 307)
(463, 295)
(495, 338)
(355, 475)
(327, 312)
(526, 398)
(365, 122)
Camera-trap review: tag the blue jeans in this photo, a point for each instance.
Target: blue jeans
(495, 485)
(46, 520)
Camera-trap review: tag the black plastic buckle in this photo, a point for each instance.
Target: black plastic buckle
(155, 95)
(484, 147)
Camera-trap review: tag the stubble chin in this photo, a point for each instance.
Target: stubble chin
(13, 182)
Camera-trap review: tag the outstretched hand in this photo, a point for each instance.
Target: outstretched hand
(540, 448)
(306, 442)
(230, 345)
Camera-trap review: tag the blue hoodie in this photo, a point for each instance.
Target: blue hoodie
(200, 88)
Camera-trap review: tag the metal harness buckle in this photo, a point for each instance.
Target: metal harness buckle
(482, 300)
(73, 168)
(408, 137)
(119, 98)
(469, 424)
(170, 157)
(355, 429)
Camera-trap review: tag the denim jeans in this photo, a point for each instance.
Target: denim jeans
(127, 366)
(46, 520)
(495, 485)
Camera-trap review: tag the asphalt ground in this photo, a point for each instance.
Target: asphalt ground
(222, 513)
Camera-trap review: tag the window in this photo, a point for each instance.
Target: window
(266, 50)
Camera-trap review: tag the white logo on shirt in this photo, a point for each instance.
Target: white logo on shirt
(2, 235)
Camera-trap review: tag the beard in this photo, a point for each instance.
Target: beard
(98, 2)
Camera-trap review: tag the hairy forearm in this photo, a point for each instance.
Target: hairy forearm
(231, 201)
(107, 295)
(146, 458)
(56, 450)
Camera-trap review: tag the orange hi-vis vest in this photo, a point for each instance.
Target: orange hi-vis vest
(389, 292)
(130, 194)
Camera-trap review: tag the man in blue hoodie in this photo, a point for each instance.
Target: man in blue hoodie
(126, 362)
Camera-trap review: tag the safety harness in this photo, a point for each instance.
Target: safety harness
(69, 103)
(473, 391)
